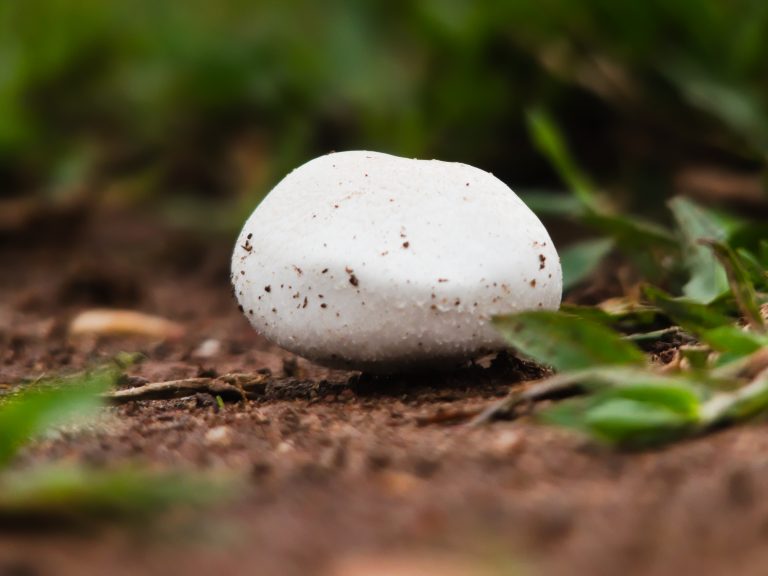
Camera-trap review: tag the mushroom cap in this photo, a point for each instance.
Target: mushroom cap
(370, 261)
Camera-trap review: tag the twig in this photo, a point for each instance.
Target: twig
(253, 384)
(555, 387)
(233, 387)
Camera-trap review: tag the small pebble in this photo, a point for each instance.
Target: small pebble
(207, 349)
(219, 436)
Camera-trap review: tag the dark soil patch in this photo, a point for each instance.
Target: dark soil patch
(348, 474)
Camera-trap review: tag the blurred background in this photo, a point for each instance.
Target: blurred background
(192, 110)
(136, 137)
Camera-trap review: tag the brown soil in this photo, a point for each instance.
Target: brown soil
(346, 475)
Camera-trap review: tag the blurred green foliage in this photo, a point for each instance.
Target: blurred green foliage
(634, 402)
(73, 493)
(222, 97)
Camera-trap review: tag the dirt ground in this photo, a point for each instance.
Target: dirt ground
(345, 475)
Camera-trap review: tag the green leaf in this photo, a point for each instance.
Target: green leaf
(634, 423)
(550, 142)
(32, 412)
(569, 414)
(677, 396)
(71, 493)
(566, 342)
(745, 403)
(707, 277)
(734, 340)
(628, 406)
(690, 314)
(740, 283)
(579, 261)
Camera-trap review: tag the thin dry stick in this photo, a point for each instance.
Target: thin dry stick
(230, 387)
(556, 386)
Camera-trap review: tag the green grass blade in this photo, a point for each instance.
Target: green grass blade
(552, 203)
(550, 142)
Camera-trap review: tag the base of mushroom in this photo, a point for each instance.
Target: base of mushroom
(408, 365)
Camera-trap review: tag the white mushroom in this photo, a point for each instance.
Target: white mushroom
(370, 261)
